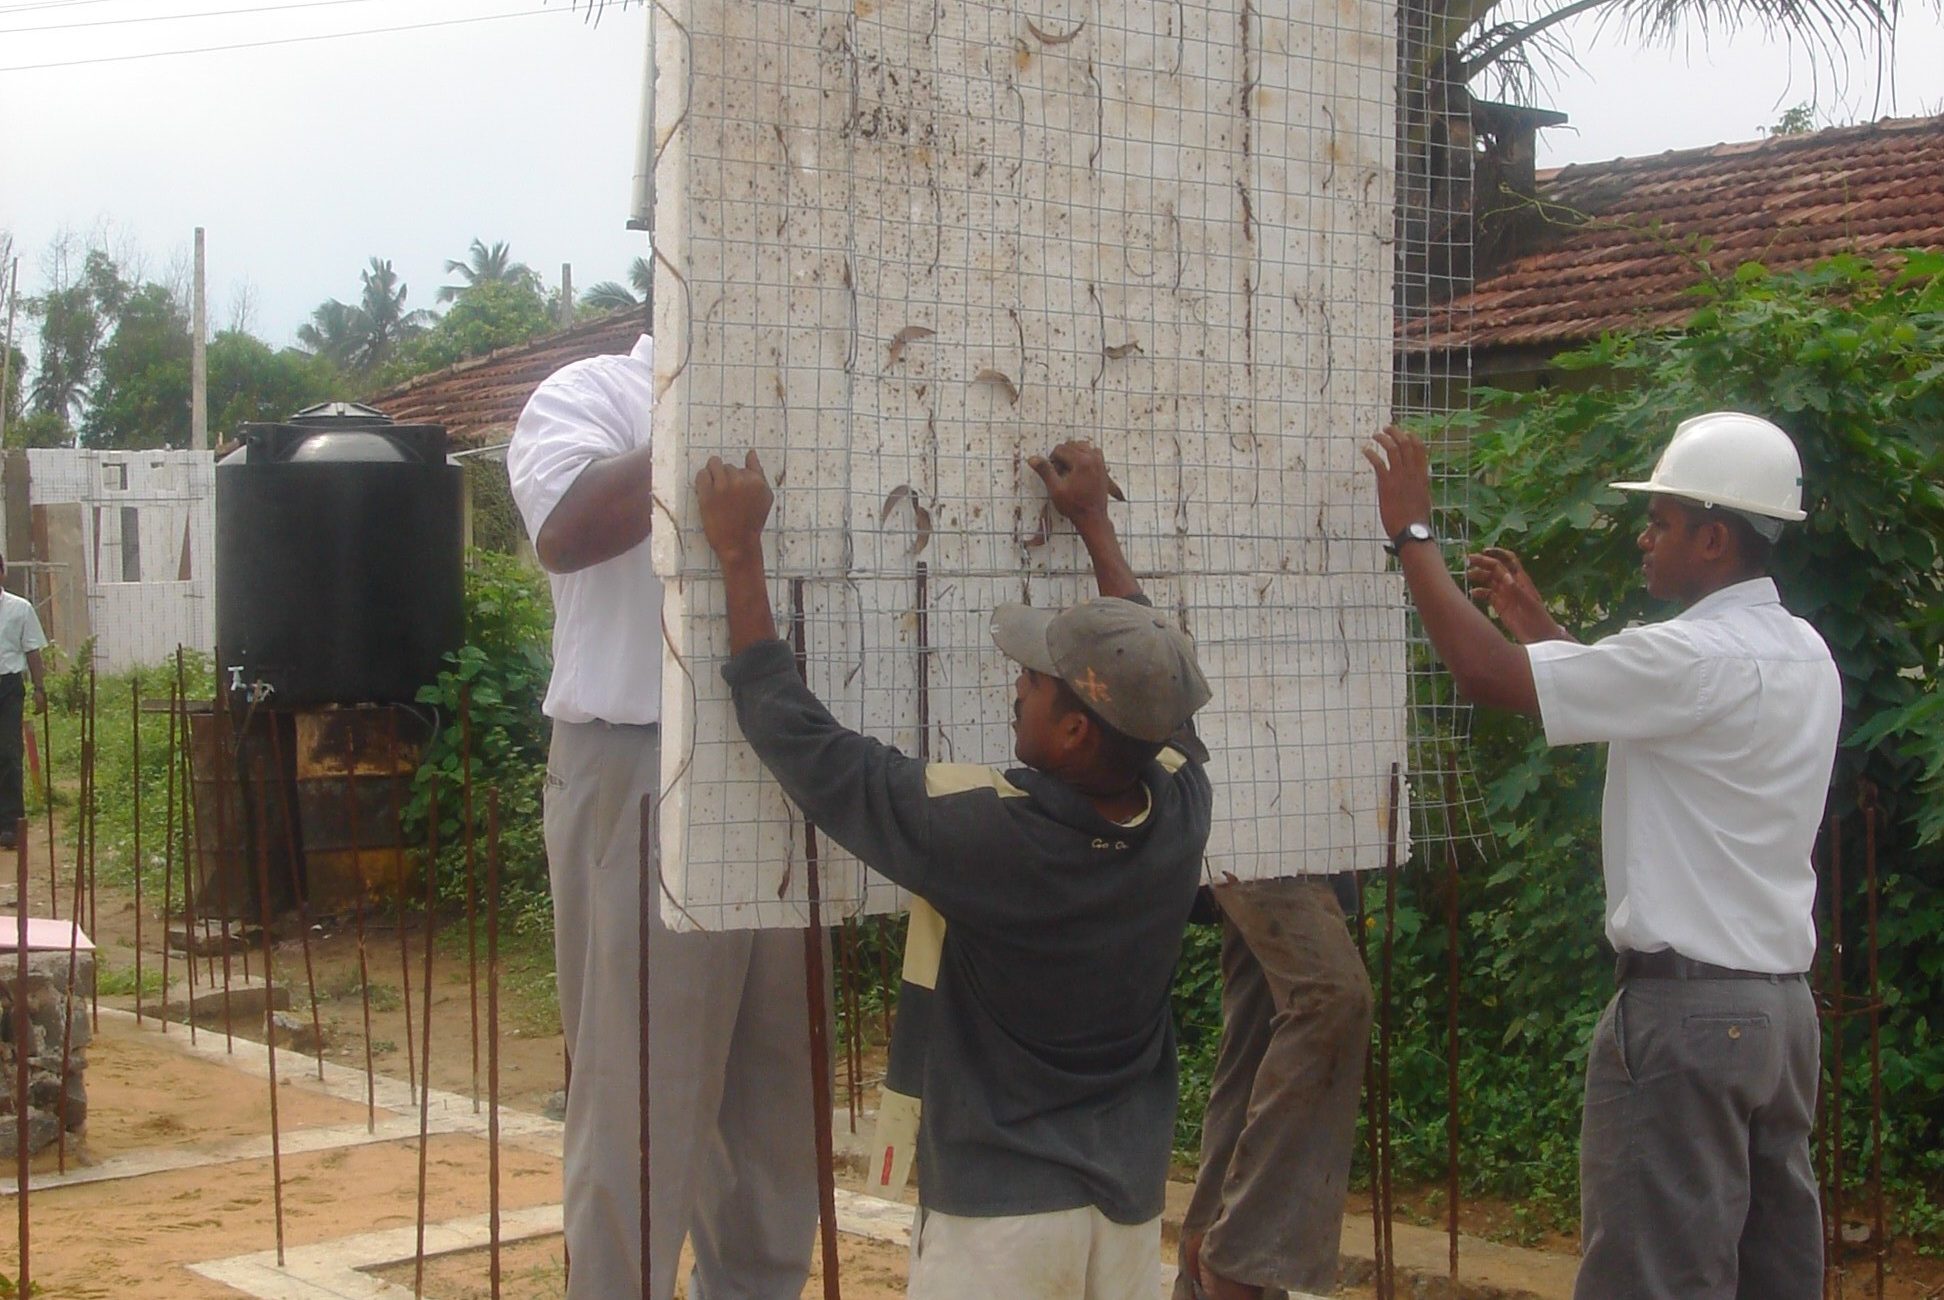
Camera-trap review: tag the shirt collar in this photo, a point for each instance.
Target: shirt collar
(1739, 595)
(644, 350)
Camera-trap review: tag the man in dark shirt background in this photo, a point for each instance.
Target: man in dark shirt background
(1048, 1078)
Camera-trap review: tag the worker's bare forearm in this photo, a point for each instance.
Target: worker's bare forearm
(1488, 669)
(1112, 573)
(607, 512)
(746, 587)
(35, 669)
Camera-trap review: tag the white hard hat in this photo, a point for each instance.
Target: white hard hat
(1735, 461)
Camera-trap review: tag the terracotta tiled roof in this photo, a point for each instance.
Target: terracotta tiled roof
(1785, 201)
(479, 400)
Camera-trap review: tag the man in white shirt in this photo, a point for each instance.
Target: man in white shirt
(21, 642)
(733, 1157)
(1721, 724)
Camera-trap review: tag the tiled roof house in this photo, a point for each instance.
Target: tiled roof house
(1625, 240)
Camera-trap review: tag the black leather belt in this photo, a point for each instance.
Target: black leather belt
(1670, 965)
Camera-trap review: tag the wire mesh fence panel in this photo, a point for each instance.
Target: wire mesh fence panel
(901, 247)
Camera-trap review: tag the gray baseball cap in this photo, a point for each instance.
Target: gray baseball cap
(1124, 661)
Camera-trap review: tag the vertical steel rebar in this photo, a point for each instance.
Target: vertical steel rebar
(92, 814)
(1451, 1019)
(298, 892)
(168, 855)
(358, 904)
(1838, 1023)
(269, 1013)
(1371, 1121)
(185, 771)
(23, 1040)
(650, 862)
(813, 971)
(225, 774)
(425, 1028)
(1879, 1240)
(1384, 1035)
(47, 789)
(404, 945)
(472, 882)
(135, 746)
(492, 1037)
(67, 1017)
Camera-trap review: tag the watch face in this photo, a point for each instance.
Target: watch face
(1419, 532)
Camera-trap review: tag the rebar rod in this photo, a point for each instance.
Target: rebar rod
(358, 905)
(1451, 1018)
(1370, 1106)
(23, 1037)
(650, 861)
(1384, 1035)
(135, 747)
(1879, 1241)
(425, 1028)
(298, 892)
(185, 771)
(492, 1037)
(67, 1004)
(47, 789)
(220, 729)
(472, 882)
(92, 815)
(404, 945)
(168, 855)
(813, 972)
(269, 1014)
(1838, 1024)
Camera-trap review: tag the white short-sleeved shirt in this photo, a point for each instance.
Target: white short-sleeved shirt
(607, 639)
(1722, 727)
(20, 632)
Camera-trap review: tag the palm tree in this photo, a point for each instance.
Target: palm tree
(382, 311)
(485, 265)
(612, 295)
(335, 332)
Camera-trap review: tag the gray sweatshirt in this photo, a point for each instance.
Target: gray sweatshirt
(1048, 1071)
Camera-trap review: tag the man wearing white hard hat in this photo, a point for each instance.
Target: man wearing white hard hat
(1721, 725)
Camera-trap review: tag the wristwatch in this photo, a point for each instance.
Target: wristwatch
(1418, 532)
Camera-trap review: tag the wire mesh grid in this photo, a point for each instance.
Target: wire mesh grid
(902, 247)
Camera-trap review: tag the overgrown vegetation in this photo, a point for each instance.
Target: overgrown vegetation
(1851, 362)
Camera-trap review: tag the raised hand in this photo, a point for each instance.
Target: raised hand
(1496, 577)
(735, 504)
(1076, 478)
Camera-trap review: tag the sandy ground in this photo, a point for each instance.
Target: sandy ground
(135, 1237)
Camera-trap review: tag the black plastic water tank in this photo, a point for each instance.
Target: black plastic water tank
(339, 558)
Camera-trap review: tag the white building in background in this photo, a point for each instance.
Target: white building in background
(117, 545)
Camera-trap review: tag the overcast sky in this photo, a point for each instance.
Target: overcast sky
(515, 120)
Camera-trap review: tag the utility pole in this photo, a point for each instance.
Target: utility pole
(566, 294)
(6, 357)
(199, 358)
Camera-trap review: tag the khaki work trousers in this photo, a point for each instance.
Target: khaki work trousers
(1077, 1254)
(1282, 1110)
(733, 1151)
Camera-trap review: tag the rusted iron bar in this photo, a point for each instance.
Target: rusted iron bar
(1389, 1283)
(358, 907)
(492, 1037)
(1879, 1240)
(67, 1016)
(269, 1013)
(185, 772)
(425, 1028)
(168, 852)
(1451, 1015)
(404, 945)
(23, 1034)
(298, 893)
(47, 789)
(647, 900)
(1838, 1023)
(91, 813)
(135, 747)
(813, 971)
(472, 882)
(1370, 1108)
(225, 774)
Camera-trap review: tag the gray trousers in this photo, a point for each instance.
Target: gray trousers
(732, 1152)
(1282, 1110)
(1695, 1178)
